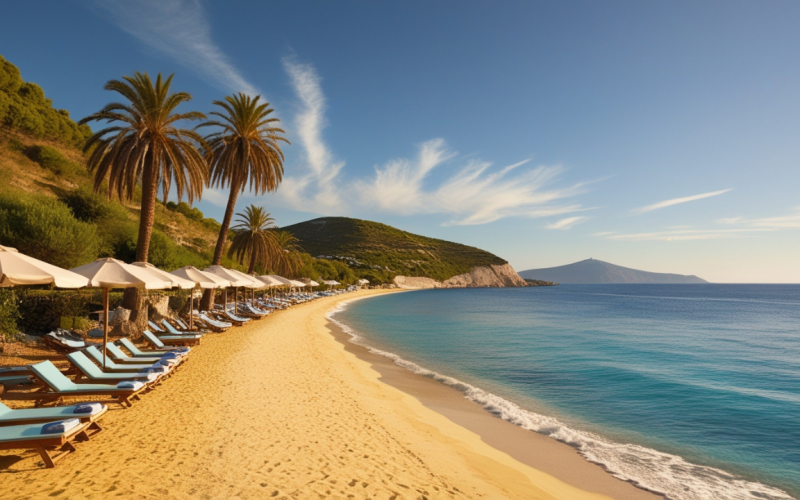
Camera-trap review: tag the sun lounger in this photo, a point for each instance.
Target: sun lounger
(254, 310)
(155, 328)
(122, 359)
(93, 372)
(56, 386)
(172, 331)
(159, 367)
(163, 352)
(161, 341)
(9, 382)
(63, 341)
(202, 324)
(85, 412)
(227, 317)
(45, 437)
(182, 324)
(213, 322)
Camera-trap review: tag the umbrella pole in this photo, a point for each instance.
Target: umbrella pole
(105, 325)
(191, 308)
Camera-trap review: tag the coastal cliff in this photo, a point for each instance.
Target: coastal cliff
(502, 275)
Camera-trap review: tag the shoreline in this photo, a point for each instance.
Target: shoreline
(530, 448)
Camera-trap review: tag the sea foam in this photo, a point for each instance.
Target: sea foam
(649, 469)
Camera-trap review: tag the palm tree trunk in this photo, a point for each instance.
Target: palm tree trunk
(252, 265)
(146, 219)
(221, 240)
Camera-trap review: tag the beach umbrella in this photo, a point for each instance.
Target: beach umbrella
(283, 281)
(19, 269)
(177, 281)
(111, 273)
(200, 279)
(270, 281)
(228, 274)
(297, 284)
(331, 283)
(255, 284)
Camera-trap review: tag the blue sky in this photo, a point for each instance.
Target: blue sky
(663, 136)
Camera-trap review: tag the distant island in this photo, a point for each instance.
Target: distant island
(593, 271)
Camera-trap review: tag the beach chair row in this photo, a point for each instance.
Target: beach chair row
(54, 431)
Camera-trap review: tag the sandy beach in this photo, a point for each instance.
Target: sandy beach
(286, 408)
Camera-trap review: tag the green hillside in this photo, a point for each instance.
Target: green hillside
(47, 207)
(380, 252)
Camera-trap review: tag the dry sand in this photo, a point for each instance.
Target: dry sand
(279, 408)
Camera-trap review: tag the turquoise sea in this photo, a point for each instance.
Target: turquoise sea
(688, 390)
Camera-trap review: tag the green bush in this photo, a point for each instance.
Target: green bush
(91, 207)
(9, 314)
(45, 228)
(24, 107)
(189, 212)
(53, 160)
(212, 224)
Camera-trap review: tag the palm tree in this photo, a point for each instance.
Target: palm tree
(288, 259)
(244, 151)
(253, 239)
(144, 145)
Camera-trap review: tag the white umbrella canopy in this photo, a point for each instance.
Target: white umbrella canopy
(177, 281)
(363, 282)
(253, 282)
(283, 281)
(19, 269)
(331, 282)
(270, 281)
(298, 284)
(113, 273)
(227, 274)
(200, 278)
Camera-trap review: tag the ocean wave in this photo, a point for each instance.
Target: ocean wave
(669, 475)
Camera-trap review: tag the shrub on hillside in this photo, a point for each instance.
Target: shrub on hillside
(191, 213)
(91, 207)
(53, 160)
(9, 314)
(45, 228)
(24, 107)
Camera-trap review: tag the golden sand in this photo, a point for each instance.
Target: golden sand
(280, 409)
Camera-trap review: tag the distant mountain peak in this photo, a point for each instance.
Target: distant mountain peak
(593, 271)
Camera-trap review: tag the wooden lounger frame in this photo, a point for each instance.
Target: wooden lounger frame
(62, 443)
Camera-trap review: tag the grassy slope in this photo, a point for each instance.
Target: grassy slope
(21, 174)
(375, 244)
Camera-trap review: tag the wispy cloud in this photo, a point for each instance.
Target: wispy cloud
(316, 188)
(694, 234)
(215, 197)
(678, 201)
(738, 227)
(473, 194)
(180, 30)
(566, 223)
(781, 222)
